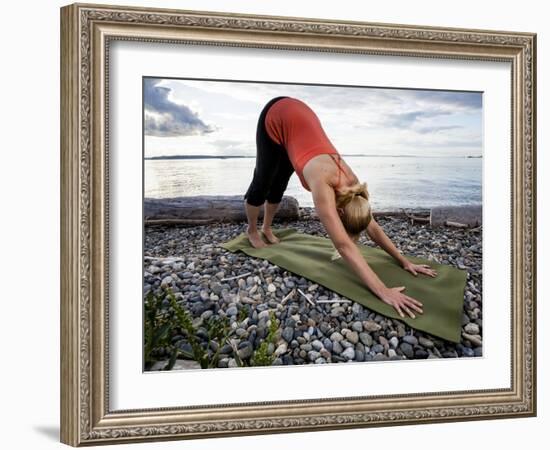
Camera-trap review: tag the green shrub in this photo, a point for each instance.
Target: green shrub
(261, 356)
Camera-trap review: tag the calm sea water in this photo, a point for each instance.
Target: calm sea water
(394, 181)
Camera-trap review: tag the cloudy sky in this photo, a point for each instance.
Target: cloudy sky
(190, 117)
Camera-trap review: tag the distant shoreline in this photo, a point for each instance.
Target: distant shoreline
(176, 157)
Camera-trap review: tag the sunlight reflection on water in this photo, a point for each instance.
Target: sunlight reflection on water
(393, 182)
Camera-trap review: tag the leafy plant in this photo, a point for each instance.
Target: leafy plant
(157, 329)
(261, 356)
(217, 330)
(161, 324)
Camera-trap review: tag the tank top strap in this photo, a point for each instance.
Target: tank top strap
(338, 164)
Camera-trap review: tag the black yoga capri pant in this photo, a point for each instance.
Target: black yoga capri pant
(273, 167)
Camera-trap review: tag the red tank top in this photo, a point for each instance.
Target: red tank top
(293, 124)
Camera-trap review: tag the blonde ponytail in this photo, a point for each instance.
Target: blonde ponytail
(357, 213)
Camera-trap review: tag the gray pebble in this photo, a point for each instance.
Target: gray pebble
(407, 349)
(371, 326)
(378, 348)
(288, 334)
(349, 353)
(471, 328)
(366, 339)
(352, 337)
(410, 339)
(232, 311)
(425, 342)
(317, 345)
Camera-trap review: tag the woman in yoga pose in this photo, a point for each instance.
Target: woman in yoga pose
(290, 138)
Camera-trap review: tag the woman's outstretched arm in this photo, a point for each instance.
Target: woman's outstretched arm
(325, 205)
(376, 233)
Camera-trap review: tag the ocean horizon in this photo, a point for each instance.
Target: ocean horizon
(394, 181)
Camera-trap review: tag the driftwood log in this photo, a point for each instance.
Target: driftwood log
(204, 209)
(456, 216)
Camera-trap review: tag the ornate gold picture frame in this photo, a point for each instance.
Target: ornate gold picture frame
(87, 31)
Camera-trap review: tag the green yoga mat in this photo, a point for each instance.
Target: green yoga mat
(310, 257)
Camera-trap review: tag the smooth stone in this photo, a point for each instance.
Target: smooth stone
(317, 345)
(391, 353)
(327, 344)
(346, 344)
(288, 334)
(410, 339)
(313, 355)
(366, 339)
(166, 281)
(421, 353)
(263, 315)
(476, 340)
(186, 364)
(394, 342)
(380, 357)
(357, 326)
(245, 350)
(371, 326)
(349, 353)
(232, 311)
(223, 363)
(240, 332)
(352, 337)
(338, 311)
(471, 328)
(282, 348)
(232, 363)
(226, 349)
(378, 348)
(407, 349)
(288, 360)
(336, 337)
(425, 342)
(337, 348)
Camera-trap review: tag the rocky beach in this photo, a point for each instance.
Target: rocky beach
(305, 323)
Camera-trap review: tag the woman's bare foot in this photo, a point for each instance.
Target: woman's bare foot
(268, 233)
(255, 239)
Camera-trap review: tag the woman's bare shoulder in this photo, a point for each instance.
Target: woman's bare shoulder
(320, 168)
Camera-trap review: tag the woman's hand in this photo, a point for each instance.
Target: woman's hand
(415, 269)
(401, 302)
